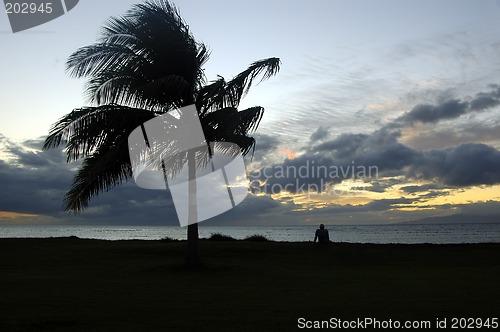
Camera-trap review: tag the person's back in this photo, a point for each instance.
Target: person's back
(322, 235)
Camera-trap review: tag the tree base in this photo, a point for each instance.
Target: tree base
(193, 257)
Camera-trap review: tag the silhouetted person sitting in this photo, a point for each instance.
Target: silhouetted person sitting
(322, 235)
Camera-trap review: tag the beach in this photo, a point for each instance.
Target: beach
(91, 285)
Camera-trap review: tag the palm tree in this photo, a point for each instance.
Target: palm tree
(145, 64)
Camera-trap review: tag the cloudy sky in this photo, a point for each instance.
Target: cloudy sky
(383, 111)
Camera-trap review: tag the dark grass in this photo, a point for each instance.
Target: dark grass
(221, 237)
(90, 285)
(256, 238)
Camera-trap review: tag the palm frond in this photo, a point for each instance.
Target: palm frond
(212, 96)
(161, 95)
(230, 125)
(242, 82)
(62, 129)
(86, 129)
(203, 56)
(243, 142)
(241, 145)
(231, 121)
(249, 119)
(221, 94)
(108, 167)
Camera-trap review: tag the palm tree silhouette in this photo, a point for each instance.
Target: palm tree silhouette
(145, 64)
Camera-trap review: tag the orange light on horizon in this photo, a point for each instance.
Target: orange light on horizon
(14, 215)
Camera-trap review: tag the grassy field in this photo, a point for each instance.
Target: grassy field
(72, 284)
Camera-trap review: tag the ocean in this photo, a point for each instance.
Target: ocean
(395, 233)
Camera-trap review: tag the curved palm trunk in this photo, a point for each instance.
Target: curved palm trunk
(193, 257)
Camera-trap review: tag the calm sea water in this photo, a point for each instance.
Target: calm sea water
(403, 233)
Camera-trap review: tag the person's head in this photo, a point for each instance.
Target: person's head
(321, 226)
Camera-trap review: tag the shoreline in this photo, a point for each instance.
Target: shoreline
(393, 234)
(205, 239)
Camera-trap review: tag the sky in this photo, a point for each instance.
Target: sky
(391, 109)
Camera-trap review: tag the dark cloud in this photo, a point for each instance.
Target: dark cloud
(450, 108)
(319, 134)
(375, 186)
(254, 210)
(433, 194)
(386, 204)
(27, 192)
(422, 188)
(347, 156)
(381, 149)
(264, 146)
(343, 146)
(484, 100)
(463, 165)
(35, 182)
(31, 181)
(460, 134)
(433, 113)
(265, 143)
(374, 206)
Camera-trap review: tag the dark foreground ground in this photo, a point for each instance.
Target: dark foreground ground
(73, 284)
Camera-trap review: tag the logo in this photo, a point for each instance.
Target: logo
(205, 178)
(27, 14)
